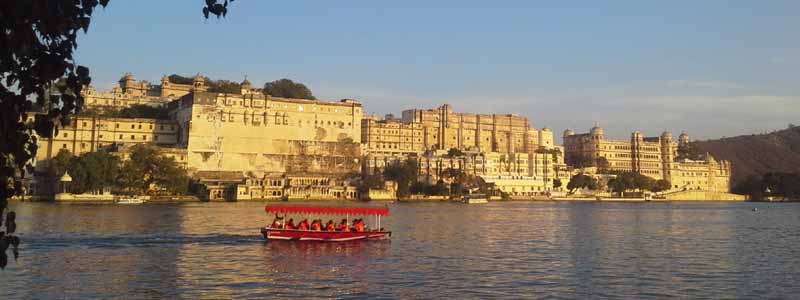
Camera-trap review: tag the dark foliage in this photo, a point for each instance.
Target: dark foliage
(224, 86)
(287, 88)
(36, 50)
(581, 181)
(777, 184)
(626, 181)
(404, 173)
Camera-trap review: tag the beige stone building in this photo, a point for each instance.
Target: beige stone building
(130, 92)
(87, 134)
(260, 134)
(651, 156)
(494, 146)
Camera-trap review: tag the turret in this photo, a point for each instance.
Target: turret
(683, 139)
(568, 132)
(199, 83)
(126, 82)
(246, 86)
(597, 132)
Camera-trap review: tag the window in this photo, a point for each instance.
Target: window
(64, 146)
(120, 136)
(133, 137)
(133, 126)
(155, 137)
(116, 125)
(83, 145)
(65, 134)
(144, 137)
(84, 124)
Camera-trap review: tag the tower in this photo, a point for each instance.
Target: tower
(126, 83)
(246, 86)
(637, 140)
(666, 155)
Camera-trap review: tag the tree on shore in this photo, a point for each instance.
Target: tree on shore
(93, 172)
(146, 169)
(38, 40)
(404, 172)
(626, 181)
(581, 181)
(286, 88)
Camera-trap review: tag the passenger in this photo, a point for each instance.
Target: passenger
(276, 223)
(303, 225)
(330, 226)
(290, 225)
(316, 225)
(343, 226)
(360, 226)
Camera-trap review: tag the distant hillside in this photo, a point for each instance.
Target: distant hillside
(758, 153)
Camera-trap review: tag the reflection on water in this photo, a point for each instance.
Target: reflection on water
(499, 250)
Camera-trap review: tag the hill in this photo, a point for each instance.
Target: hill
(757, 154)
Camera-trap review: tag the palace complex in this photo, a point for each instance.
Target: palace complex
(656, 157)
(255, 146)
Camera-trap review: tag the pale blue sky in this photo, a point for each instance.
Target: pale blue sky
(711, 68)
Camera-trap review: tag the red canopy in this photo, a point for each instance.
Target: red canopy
(317, 210)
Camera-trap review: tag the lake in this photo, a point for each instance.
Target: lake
(532, 250)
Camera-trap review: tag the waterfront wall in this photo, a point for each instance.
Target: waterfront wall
(697, 195)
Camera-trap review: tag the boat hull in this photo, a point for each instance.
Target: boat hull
(322, 236)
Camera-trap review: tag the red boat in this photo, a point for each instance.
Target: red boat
(271, 233)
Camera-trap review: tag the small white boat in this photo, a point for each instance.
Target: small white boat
(129, 200)
(475, 199)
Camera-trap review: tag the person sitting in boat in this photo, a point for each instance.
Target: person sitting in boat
(303, 225)
(330, 226)
(316, 225)
(277, 222)
(343, 226)
(360, 226)
(290, 225)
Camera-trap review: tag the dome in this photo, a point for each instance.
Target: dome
(246, 82)
(546, 128)
(198, 78)
(596, 130)
(666, 134)
(65, 177)
(569, 132)
(126, 77)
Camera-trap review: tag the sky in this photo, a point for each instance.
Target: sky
(709, 68)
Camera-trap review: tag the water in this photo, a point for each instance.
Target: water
(496, 251)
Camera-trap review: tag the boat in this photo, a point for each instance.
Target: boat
(129, 200)
(475, 199)
(283, 234)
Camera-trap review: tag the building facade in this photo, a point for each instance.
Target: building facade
(260, 134)
(132, 92)
(88, 134)
(503, 148)
(656, 157)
